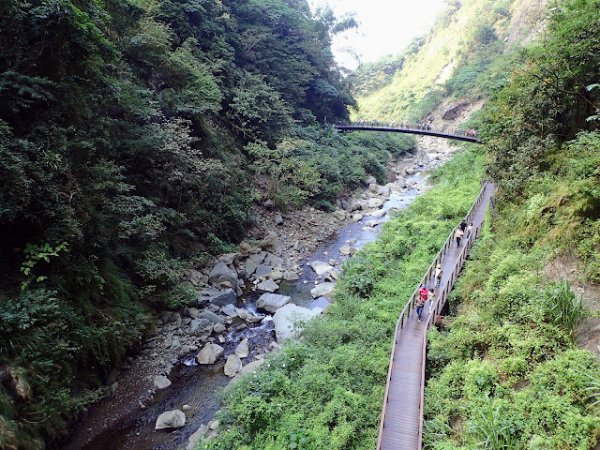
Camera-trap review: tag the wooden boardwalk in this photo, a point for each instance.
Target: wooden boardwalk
(402, 416)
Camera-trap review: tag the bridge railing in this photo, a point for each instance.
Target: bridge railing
(440, 302)
(415, 127)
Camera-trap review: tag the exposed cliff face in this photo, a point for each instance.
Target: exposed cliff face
(466, 41)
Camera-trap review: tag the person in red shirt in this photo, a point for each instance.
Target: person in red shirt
(423, 294)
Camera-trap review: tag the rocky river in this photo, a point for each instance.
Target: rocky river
(246, 301)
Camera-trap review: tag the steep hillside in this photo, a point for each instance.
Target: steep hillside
(465, 41)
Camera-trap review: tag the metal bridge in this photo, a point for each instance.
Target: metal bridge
(401, 426)
(420, 129)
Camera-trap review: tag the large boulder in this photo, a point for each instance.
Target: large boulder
(209, 354)
(211, 317)
(272, 302)
(290, 276)
(161, 382)
(267, 286)
(233, 365)
(379, 213)
(374, 203)
(247, 316)
(223, 275)
(217, 296)
(274, 261)
(201, 326)
(170, 419)
(320, 267)
(248, 368)
(242, 350)
(287, 319)
(322, 290)
(263, 271)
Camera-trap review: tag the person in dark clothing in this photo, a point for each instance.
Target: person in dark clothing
(463, 225)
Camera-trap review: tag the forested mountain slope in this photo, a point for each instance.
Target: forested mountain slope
(130, 135)
(448, 62)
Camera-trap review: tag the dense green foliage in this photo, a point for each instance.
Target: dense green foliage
(506, 373)
(130, 136)
(325, 391)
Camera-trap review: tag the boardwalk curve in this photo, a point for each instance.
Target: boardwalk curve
(407, 129)
(401, 426)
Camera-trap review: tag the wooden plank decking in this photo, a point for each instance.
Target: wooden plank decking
(401, 425)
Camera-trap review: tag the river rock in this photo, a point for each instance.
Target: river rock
(287, 317)
(322, 290)
(276, 275)
(371, 180)
(291, 276)
(357, 217)
(251, 266)
(374, 187)
(267, 286)
(201, 326)
(348, 250)
(217, 297)
(320, 267)
(233, 365)
(211, 317)
(192, 312)
(379, 214)
(263, 271)
(272, 302)
(228, 258)
(249, 317)
(242, 350)
(219, 328)
(273, 261)
(170, 419)
(195, 277)
(161, 382)
(339, 214)
(209, 354)
(374, 203)
(248, 368)
(195, 438)
(229, 310)
(222, 275)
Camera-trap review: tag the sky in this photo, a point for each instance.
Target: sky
(385, 26)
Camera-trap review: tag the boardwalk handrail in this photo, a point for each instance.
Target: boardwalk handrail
(404, 127)
(437, 307)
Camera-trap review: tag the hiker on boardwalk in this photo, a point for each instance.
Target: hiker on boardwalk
(463, 225)
(423, 294)
(469, 230)
(458, 235)
(438, 275)
(431, 300)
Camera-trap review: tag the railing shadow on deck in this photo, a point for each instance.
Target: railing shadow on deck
(439, 305)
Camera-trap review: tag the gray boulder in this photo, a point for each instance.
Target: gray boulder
(161, 382)
(170, 419)
(211, 317)
(288, 319)
(217, 296)
(374, 203)
(272, 302)
(222, 275)
(209, 354)
(322, 290)
(200, 326)
(320, 267)
(263, 271)
(233, 365)
(267, 286)
(229, 310)
(242, 350)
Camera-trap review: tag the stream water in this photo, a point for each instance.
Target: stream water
(199, 386)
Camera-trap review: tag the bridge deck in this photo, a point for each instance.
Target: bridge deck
(402, 415)
(419, 131)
